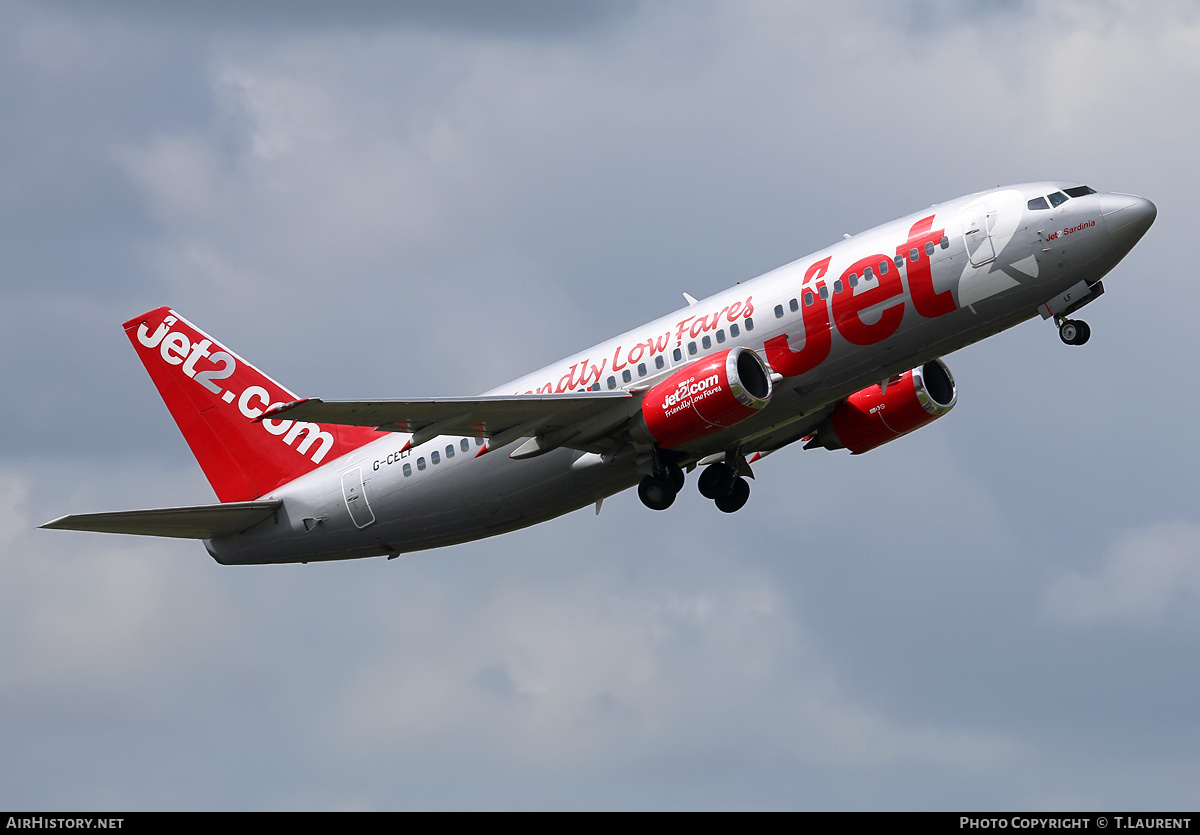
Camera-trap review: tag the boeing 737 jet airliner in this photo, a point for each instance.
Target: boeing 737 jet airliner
(840, 350)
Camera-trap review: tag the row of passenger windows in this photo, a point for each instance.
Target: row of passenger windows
(436, 456)
(914, 255)
(706, 342)
(1059, 197)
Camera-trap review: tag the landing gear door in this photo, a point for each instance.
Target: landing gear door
(355, 494)
(978, 220)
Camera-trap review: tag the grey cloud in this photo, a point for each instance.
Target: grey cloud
(442, 202)
(514, 19)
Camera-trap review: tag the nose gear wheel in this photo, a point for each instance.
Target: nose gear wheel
(1074, 331)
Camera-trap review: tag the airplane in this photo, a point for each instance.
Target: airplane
(841, 350)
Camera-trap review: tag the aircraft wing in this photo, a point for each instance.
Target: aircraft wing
(197, 522)
(574, 419)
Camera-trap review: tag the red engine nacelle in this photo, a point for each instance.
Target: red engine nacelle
(705, 396)
(873, 416)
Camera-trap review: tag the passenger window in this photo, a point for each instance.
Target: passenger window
(421, 463)
(733, 330)
(794, 305)
(465, 445)
(929, 248)
(913, 255)
(706, 342)
(945, 243)
(677, 354)
(641, 369)
(1057, 199)
(883, 267)
(749, 323)
(1038, 203)
(435, 457)
(837, 286)
(594, 386)
(867, 275)
(612, 383)
(823, 291)
(626, 375)
(899, 261)
(808, 298)
(853, 281)
(449, 450)
(720, 336)
(407, 470)
(692, 348)
(659, 362)
(480, 441)
(778, 311)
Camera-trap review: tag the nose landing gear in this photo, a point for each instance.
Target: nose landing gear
(1074, 331)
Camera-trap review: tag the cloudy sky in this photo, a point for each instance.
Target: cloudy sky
(375, 199)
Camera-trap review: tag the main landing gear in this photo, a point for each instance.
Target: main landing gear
(658, 491)
(1074, 331)
(719, 482)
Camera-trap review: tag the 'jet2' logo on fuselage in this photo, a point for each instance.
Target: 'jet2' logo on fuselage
(848, 306)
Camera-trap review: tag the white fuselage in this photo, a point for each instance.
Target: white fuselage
(993, 264)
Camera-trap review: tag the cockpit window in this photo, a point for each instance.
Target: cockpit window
(1057, 198)
(1079, 191)
(1039, 203)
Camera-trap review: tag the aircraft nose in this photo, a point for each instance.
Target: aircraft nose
(1127, 217)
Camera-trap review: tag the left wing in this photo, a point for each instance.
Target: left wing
(580, 420)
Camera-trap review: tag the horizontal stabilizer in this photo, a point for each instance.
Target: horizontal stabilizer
(198, 522)
(479, 417)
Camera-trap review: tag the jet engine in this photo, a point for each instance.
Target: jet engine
(879, 413)
(703, 397)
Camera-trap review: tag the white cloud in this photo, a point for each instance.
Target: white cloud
(90, 611)
(1150, 576)
(569, 672)
(587, 673)
(180, 176)
(14, 508)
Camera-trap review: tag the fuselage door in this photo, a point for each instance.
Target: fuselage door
(978, 220)
(355, 494)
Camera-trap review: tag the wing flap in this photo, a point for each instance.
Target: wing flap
(196, 522)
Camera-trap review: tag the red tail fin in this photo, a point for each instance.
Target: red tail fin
(214, 396)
